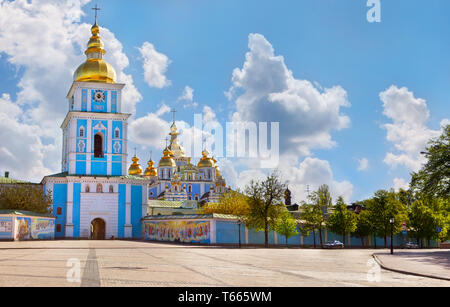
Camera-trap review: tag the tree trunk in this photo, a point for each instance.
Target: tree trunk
(320, 237)
(314, 238)
(266, 235)
(375, 240)
(362, 241)
(343, 238)
(286, 241)
(385, 240)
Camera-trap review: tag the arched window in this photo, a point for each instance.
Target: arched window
(98, 145)
(117, 133)
(87, 189)
(190, 189)
(81, 132)
(99, 188)
(59, 211)
(111, 189)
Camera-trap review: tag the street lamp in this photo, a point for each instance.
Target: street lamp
(392, 234)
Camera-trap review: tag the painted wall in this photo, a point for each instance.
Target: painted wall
(178, 231)
(34, 228)
(6, 228)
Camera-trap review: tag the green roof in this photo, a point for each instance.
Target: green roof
(191, 216)
(155, 203)
(5, 180)
(23, 212)
(65, 174)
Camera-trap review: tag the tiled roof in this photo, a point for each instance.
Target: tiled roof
(164, 203)
(191, 216)
(22, 212)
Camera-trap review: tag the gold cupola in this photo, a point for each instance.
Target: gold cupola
(95, 69)
(150, 171)
(167, 159)
(205, 161)
(135, 167)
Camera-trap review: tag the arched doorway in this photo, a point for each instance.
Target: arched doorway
(98, 229)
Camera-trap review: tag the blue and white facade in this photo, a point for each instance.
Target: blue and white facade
(93, 183)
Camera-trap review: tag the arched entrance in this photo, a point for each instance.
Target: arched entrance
(98, 229)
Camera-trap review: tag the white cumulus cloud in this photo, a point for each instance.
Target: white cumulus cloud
(155, 66)
(408, 131)
(267, 91)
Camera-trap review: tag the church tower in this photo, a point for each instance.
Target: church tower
(93, 196)
(95, 130)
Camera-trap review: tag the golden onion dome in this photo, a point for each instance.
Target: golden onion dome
(151, 171)
(205, 161)
(135, 167)
(95, 69)
(166, 159)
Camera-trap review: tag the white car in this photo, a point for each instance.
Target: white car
(334, 244)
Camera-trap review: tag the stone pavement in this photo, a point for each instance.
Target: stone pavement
(430, 263)
(137, 263)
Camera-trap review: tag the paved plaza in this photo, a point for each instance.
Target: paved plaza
(135, 263)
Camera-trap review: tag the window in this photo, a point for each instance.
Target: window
(81, 133)
(99, 188)
(98, 146)
(59, 211)
(111, 189)
(87, 188)
(117, 133)
(58, 227)
(190, 189)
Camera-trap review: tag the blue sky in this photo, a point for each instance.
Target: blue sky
(323, 41)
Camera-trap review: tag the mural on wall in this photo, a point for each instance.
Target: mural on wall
(5, 227)
(34, 228)
(178, 231)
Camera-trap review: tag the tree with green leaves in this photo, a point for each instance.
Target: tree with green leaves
(312, 219)
(231, 202)
(342, 221)
(26, 197)
(425, 217)
(322, 201)
(434, 177)
(363, 226)
(383, 206)
(286, 225)
(265, 199)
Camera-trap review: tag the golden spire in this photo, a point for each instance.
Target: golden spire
(151, 171)
(205, 161)
(167, 159)
(135, 167)
(95, 69)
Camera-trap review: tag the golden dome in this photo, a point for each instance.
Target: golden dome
(95, 69)
(150, 171)
(205, 161)
(135, 168)
(167, 159)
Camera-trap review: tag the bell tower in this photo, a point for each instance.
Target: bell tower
(95, 130)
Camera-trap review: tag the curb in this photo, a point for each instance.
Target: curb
(380, 263)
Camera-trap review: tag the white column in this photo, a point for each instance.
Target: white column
(69, 211)
(212, 233)
(88, 145)
(128, 227)
(109, 148)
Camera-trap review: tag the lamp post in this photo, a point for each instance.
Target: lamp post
(392, 235)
